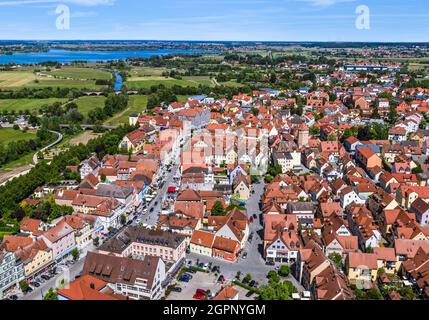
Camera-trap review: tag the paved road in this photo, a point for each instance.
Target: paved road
(60, 138)
(152, 217)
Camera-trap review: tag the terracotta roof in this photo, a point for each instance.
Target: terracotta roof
(88, 288)
(203, 238)
(227, 293)
(359, 260)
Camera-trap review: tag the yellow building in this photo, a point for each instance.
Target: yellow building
(36, 257)
(202, 243)
(362, 269)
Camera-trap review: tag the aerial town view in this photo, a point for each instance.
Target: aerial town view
(213, 152)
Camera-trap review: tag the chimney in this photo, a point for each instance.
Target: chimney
(92, 286)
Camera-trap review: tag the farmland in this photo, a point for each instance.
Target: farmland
(13, 79)
(80, 74)
(67, 77)
(23, 105)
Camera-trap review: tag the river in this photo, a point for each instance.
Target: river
(118, 82)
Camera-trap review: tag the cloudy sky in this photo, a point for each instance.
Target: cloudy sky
(258, 20)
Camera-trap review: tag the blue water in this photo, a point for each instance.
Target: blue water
(66, 56)
(118, 83)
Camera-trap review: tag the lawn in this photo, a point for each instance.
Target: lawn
(18, 105)
(136, 104)
(80, 73)
(86, 104)
(8, 135)
(146, 72)
(141, 82)
(11, 79)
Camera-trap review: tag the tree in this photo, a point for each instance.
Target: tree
(277, 291)
(218, 209)
(314, 130)
(337, 259)
(248, 277)
(123, 219)
(284, 271)
(75, 254)
(23, 285)
(51, 295)
(273, 277)
(103, 177)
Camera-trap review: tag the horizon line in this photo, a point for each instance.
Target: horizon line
(256, 41)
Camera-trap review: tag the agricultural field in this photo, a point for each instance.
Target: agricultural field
(22, 105)
(8, 135)
(146, 72)
(79, 73)
(80, 78)
(86, 104)
(145, 77)
(136, 104)
(43, 82)
(146, 83)
(14, 79)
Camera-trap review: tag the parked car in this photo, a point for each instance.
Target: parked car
(36, 284)
(245, 255)
(201, 291)
(199, 296)
(13, 297)
(45, 277)
(177, 289)
(252, 283)
(183, 278)
(270, 263)
(249, 294)
(205, 267)
(191, 271)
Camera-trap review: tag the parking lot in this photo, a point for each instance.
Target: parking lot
(200, 280)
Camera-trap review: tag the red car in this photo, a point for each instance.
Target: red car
(199, 296)
(201, 291)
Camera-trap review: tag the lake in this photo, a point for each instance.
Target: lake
(66, 56)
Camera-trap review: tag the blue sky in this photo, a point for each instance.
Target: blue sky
(259, 20)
